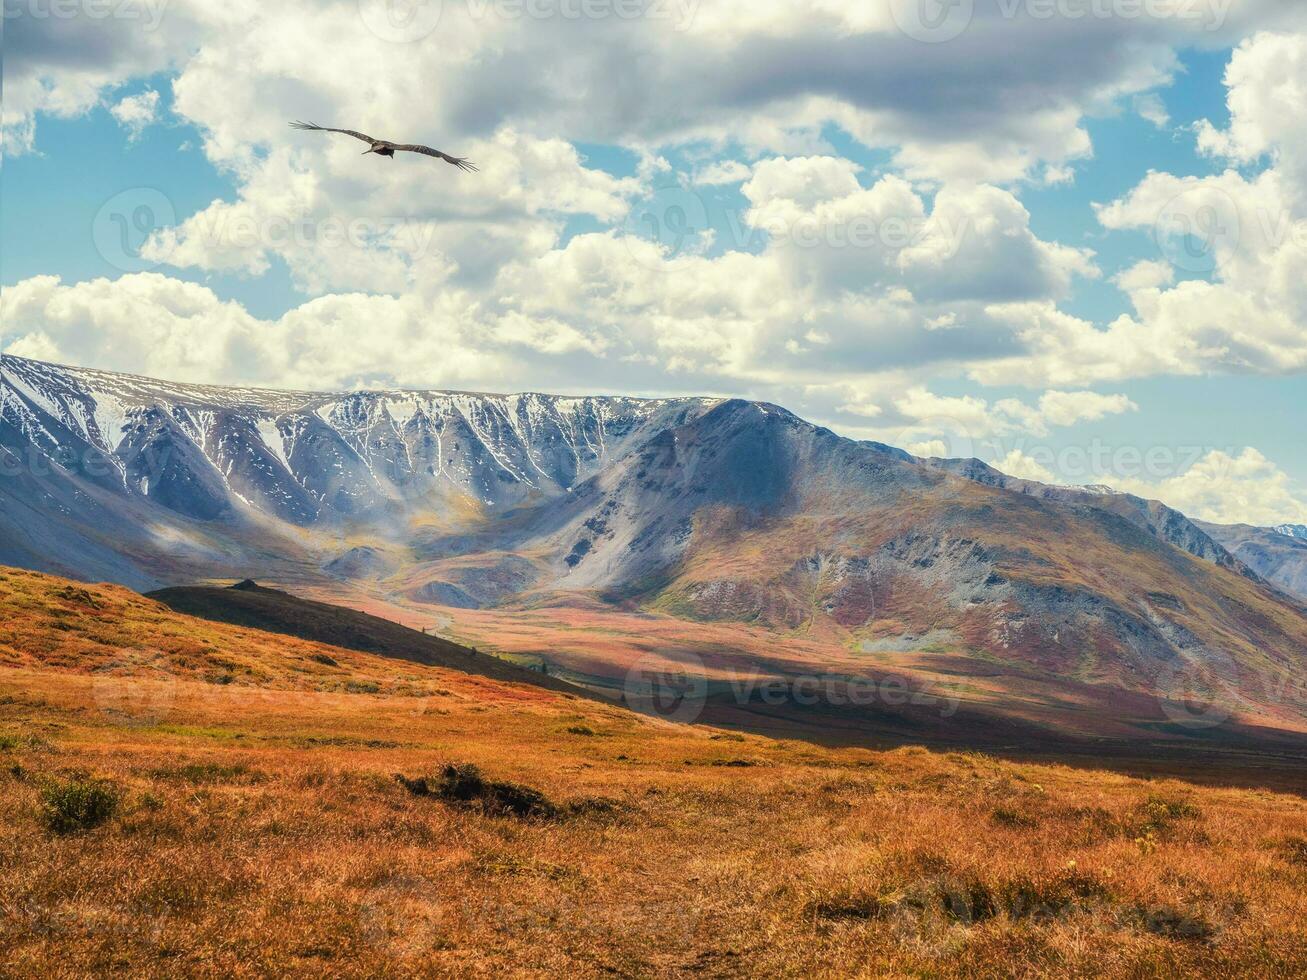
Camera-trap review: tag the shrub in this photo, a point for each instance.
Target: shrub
(1164, 811)
(203, 772)
(463, 785)
(1006, 817)
(595, 806)
(1173, 923)
(1294, 850)
(850, 905)
(80, 804)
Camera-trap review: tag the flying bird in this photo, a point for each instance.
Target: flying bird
(386, 148)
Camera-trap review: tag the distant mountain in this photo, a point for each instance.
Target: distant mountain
(1279, 554)
(87, 453)
(588, 527)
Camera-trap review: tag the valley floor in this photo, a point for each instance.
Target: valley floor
(179, 798)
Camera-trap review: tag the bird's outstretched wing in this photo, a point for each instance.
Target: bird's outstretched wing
(327, 129)
(460, 162)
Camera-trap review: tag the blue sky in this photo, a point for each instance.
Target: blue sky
(134, 170)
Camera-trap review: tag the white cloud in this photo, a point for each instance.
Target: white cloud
(1017, 463)
(1147, 274)
(723, 172)
(967, 425)
(136, 112)
(1152, 109)
(1265, 79)
(155, 325)
(1224, 488)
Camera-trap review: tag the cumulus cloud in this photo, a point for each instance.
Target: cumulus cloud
(1229, 488)
(1151, 108)
(1265, 81)
(61, 60)
(153, 324)
(972, 423)
(136, 112)
(723, 172)
(1024, 467)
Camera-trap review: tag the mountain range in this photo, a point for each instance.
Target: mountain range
(597, 533)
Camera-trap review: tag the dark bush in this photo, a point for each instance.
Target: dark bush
(1173, 923)
(1006, 817)
(463, 785)
(1294, 850)
(204, 772)
(79, 804)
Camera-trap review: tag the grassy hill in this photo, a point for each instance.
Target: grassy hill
(184, 797)
(271, 610)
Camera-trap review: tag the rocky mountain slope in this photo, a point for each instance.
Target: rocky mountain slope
(1279, 555)
(693, 511)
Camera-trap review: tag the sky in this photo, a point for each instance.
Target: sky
(1066, 236)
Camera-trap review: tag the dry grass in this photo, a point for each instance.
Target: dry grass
(260, 830)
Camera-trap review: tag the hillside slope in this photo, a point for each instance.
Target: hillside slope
(300, 818)
(119, 638)
(273, 611)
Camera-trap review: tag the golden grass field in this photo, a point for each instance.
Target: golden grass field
(257, 828)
